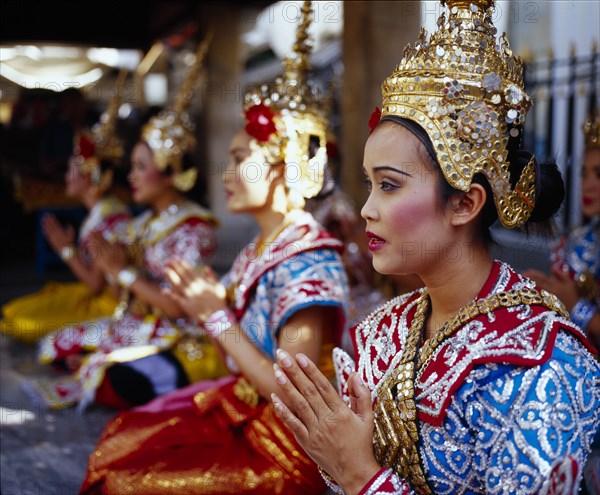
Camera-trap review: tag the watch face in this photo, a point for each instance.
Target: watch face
(67, 253)
(127, 276)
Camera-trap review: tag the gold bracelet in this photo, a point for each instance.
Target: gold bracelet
(326, 475)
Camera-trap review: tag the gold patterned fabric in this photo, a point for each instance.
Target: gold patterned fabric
(136, 330)
(222, 437)
(396, 438)
(202, 440)
(473, 398)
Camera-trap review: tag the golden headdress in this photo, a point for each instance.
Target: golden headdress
(288, 122)
(465, 89)
(591, 130)
(170, 134)
(102, 143)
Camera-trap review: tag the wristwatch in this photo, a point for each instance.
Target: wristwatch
(67, 253)
(127, 276)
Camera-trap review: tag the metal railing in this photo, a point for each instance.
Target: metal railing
(564, 92)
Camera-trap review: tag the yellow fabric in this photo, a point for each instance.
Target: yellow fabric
(199, 358)
(31, 317)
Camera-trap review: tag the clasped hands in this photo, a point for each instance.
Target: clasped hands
(58, 236)
(198, 293)
(337, 437)
(110, 257)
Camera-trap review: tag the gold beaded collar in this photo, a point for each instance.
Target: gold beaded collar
(396, 438)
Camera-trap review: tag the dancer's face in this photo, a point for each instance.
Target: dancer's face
(590, 183)
(147, 182)
(77, 183)
(409, 231)
(247, 179)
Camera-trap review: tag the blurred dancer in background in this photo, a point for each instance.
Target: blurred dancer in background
(285, 289)
(88, 179)
(145, 322)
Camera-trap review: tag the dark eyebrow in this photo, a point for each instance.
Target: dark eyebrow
(391, 169)
(238, 150)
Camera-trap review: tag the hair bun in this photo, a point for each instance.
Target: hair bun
(549, 186)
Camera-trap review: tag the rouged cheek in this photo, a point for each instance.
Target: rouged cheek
(592, 209)
(147, 178)
(76, 183)
(152, 175)
(409, 214)
(590, 180)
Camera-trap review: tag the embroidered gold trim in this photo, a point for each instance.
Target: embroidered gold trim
(396, 437)
(244, 391)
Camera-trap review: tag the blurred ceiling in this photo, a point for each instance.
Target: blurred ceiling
(107, 23)
(54, 44)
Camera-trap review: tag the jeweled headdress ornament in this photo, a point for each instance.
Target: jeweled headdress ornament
(288, 122)
(170, 134)
(465, 89)
(102, 143)
(591, 130)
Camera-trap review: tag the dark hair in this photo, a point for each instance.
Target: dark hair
(198, 191)
(106, 165)
(549, 188)
(187, 162)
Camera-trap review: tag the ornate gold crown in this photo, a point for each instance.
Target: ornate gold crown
(288, 121)
(108, 145)
(465, 89)
(102, 143)
(591, 130)
(170, 134)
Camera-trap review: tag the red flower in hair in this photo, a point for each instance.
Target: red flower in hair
(260, 124)
(85, 146)
(374, 119)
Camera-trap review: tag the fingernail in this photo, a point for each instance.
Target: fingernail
(279, 375)
(276, 403)
(284, 357)
(360, 386)
(302, 360)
